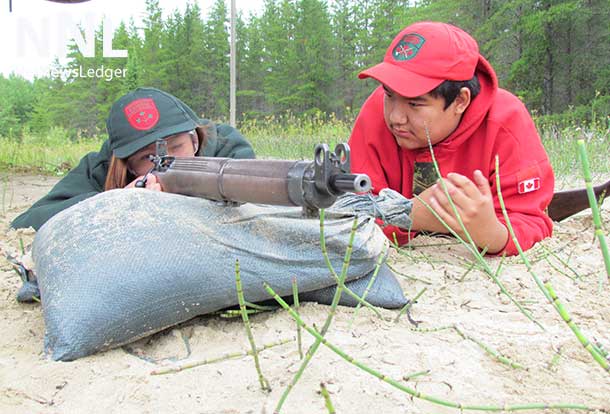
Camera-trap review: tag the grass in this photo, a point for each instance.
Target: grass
(287, 137)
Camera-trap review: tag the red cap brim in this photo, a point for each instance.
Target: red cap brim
(401, 81)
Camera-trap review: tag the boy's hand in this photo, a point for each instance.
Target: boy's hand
(475, 205)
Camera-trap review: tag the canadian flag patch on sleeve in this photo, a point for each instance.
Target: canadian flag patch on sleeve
(528, 180)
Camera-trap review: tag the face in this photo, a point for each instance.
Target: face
(408, 118)
(184, 144)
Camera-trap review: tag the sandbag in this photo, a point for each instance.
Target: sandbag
(128, 263)
(384, 291)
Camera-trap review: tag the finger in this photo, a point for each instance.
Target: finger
(462, 182)
(151, 181)
(447, 217)
(482, 183)
(458, 196)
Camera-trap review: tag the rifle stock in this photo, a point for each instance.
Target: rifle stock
(567, 203)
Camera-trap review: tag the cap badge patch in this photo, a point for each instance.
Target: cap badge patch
(142, 114)
(408, 47)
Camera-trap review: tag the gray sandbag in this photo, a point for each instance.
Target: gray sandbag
(384, 288)
(128, 263)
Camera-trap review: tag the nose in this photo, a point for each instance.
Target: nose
(397, 113)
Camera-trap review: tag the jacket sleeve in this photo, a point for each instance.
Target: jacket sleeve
(369, 155)
(84, 181)
(527, 183)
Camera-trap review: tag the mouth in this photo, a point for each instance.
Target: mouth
(402, 134)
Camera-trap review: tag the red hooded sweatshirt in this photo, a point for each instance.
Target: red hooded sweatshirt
(496, 122)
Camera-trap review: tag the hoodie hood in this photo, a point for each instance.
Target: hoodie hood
(474, 116)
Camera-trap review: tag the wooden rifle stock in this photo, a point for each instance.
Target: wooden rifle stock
(566, 203)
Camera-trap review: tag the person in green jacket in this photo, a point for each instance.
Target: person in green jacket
(136, 121)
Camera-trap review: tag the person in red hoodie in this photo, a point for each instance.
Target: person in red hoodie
(437, 89)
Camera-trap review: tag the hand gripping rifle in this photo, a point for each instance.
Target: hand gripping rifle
(311, 184)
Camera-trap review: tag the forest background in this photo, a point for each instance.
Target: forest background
(299, 60)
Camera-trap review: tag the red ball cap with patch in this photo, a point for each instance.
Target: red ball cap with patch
(423, 56)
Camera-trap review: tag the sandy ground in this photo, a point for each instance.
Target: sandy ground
(557, 369)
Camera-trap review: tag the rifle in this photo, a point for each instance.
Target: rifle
(311, 184)
(566, 203)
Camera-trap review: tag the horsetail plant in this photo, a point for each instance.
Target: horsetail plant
(409, 304)
(225, 357)
(295, 295)
(380, 261)
(490, 351)
(334, 274)
(244, 314)
(327, 402)
(488, 271)
(597, 221)
(409, 377)
(547, 288)
(409, 390)
(595, 352)
(470, 246)
(333, 306)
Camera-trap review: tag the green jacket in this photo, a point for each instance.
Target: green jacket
(88, 178)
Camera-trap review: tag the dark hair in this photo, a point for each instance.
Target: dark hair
(449, 90)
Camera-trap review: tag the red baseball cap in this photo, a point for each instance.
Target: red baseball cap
(423, 56)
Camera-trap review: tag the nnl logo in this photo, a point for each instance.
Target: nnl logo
(10, 3)
(83, 36)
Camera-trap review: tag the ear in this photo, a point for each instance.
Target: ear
(195, 142)
(462, 101)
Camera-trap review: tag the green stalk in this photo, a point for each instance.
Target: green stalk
(380, 260)
(333, 307)
(244, 314)
(485, 265)
(563, 262)
(404, 275)
(259, 307)
(415, 375)
(408, 305)
(295, 295)
(490, 351)
(236, 313)
(597, 221)
(334, 274)
(603, 362)
(207, 361)
(546, 288)
(408, 390)
(527, 263)
(453, 207)
(327, 402)
(472, 246)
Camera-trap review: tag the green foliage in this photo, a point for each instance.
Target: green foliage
(303, 56)
(17, 99)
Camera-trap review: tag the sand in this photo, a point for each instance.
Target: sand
(557, 369)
